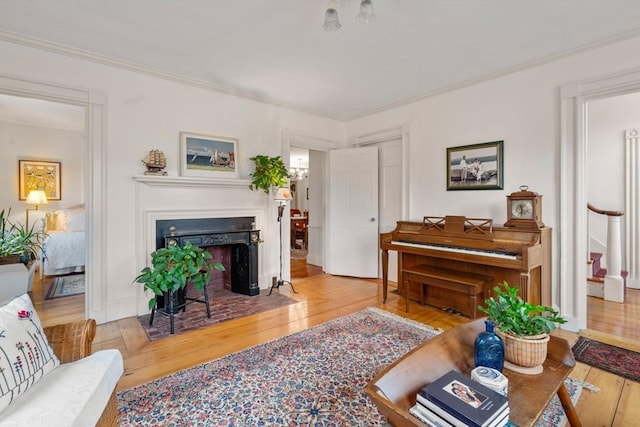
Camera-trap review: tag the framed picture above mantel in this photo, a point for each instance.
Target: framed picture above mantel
(475, 167)
(208, 156)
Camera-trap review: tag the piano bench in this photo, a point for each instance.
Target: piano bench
(470, 284)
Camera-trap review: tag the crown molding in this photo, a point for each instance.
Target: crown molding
(86, 55)
(49, 46)
(504, 72)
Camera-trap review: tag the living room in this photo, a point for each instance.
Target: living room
(133, 108)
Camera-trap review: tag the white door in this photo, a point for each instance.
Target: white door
(390, 171)
(352, 247)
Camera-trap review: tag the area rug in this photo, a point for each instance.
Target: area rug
(617, 360)
(313, 377)
(66, 286)
(224, 304)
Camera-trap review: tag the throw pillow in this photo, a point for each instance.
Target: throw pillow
(74, 219)
(25, 354)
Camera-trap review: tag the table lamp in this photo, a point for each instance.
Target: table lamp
(35, 197)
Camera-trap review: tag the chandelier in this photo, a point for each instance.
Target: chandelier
(299, 172)
(331, 21)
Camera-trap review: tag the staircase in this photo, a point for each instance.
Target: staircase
(595, 283)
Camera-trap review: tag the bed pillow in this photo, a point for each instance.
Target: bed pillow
(26, 356)
(60, 220)
(74, 219)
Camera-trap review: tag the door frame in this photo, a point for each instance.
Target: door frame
(295, 138)
(94, 103)
(570, 292)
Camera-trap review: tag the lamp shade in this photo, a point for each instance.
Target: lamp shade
(37, 197)
(283, 194)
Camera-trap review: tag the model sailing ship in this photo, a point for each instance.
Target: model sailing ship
(155, 162)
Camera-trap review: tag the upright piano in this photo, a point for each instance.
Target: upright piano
(467, 247)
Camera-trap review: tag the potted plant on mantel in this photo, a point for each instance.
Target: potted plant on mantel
(172, 268)
(18, 243)
(270, 172)
(523, 327)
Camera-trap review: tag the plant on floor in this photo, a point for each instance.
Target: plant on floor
(173, 267)
(512, 315)
(270, 172)
(18, 240)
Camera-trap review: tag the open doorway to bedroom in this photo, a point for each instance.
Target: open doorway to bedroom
(40, 138)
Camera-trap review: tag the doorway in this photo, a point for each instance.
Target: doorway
(573, 189)
(93, 104)
(39, 130)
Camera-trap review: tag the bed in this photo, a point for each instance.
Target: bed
(63, 251)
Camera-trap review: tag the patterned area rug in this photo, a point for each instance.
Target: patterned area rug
(313, 377)
(66, 286)
(225, 305)
(617, 360)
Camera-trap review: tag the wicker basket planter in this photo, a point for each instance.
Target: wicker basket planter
(528, 352)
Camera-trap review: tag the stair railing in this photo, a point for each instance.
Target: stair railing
(613, 280)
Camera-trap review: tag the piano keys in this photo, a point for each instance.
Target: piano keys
(471, 246)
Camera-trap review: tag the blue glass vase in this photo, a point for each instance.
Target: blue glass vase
(489, 349)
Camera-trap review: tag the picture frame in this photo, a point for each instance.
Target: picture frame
(208, 156)
(40, 175)
(475, 167)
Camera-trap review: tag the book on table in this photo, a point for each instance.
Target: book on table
(463, 402)
(427, 417)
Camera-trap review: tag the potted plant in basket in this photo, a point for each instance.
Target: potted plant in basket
(173, 267)
(523, 327)
(270, 172)
(17, 242)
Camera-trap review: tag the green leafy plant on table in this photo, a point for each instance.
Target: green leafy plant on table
(512, 315)
(270, 172)
(173, 267)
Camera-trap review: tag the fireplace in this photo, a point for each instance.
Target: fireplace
(235, 239)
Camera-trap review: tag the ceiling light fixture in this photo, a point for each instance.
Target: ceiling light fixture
(366, 11)
(299, 172)
(332, 22)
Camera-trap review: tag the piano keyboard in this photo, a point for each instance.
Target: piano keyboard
(444, 248)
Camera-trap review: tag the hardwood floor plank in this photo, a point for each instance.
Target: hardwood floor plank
(600, 408)
(628, 410)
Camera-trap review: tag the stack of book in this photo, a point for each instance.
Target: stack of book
(454, 400)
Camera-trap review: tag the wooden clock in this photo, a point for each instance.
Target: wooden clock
(524, 209)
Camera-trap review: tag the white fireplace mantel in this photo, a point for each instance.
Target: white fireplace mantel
(184, 181)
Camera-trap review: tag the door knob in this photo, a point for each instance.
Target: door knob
(372, 219)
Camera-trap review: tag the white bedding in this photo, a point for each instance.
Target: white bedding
(64, 252)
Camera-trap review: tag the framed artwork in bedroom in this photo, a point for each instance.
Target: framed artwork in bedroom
(208, 156)
(40, 175)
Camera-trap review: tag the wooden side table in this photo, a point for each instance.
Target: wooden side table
(394, 389)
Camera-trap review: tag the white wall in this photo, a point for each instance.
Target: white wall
(22, 142)
(607, 121)
(520, 108)
(145, 112)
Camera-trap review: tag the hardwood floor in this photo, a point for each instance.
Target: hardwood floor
(323, 297)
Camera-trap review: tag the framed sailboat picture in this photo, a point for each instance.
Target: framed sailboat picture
(208, 156)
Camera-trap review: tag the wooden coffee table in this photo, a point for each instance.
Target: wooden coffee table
(394, 389)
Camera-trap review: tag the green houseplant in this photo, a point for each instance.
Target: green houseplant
(523, 327)
(512, 315)
(270, 172)
(173, 267)
(17, 242)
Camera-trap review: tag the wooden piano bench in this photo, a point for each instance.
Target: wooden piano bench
(474, 288)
